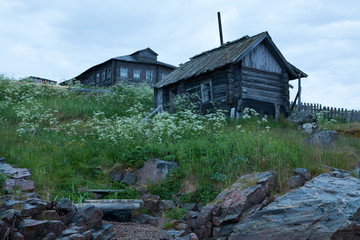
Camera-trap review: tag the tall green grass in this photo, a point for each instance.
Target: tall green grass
(76, 138)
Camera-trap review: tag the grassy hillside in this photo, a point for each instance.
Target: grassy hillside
(70, 140)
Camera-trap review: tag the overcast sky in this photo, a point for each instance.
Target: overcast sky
(60, 39)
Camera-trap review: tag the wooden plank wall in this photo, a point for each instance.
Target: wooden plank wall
(261, 86)
(341, 114)
(261, 58)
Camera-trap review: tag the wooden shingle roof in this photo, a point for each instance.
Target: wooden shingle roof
(227, 54)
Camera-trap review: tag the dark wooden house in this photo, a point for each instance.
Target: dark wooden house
(141, 66)
(248, 72)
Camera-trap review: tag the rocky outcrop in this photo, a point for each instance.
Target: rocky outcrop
(231, 205)
(25, 216)
(153, 171)
(326, 207)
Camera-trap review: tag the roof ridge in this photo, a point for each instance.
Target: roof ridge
(226, 45)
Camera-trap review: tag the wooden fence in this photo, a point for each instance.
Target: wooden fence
(340, 114)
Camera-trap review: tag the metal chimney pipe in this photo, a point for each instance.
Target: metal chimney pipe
(220, 29)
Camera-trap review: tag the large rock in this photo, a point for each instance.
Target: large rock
(248, 192)
(326, 207)
(33, 229)
(323, 139)
(153, 171)
(232, 202)
(302, 117)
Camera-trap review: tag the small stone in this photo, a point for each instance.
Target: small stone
(50, 236)
(64, 205)
(146, 219)
(9, 216)
(296, 181)
(183, 226)
(11, 203)
(223, 231)
(191, 215)
(88, 235)
(175, 233)
(3, 228)
(116, 176)
(191, 236)
(166, 204)
(302, 117)
(31, 195)
(67, 217)
(152, 205)
(88, 217)
(129, 178)
(31, 209)
(188, 206)
(340, 174)
(68, 232)
(107, 231)
(16, 236)
(76, 236)
(304, 172)
(49, 215)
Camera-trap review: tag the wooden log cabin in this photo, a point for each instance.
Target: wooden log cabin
(139, 67)
(248, 72)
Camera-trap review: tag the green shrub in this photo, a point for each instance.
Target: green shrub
(170, 186)
(174, 213)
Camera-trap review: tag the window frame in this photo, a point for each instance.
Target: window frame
(149, 75)
(136, 73)
(125, 71)
(208, 88)
(108, 73)
(103, 75)
(97, 77)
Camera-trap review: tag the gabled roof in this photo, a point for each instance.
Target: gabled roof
(145, 50)
(140, 58)
(228, 53)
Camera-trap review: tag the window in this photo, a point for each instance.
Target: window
(103, 76)
(108, 75)
(149, 75)
(97, 78)
(164, 75)
(206, 91)
(123, 72)
(137, 73)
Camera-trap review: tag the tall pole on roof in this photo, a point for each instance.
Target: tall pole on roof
(220, 29)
